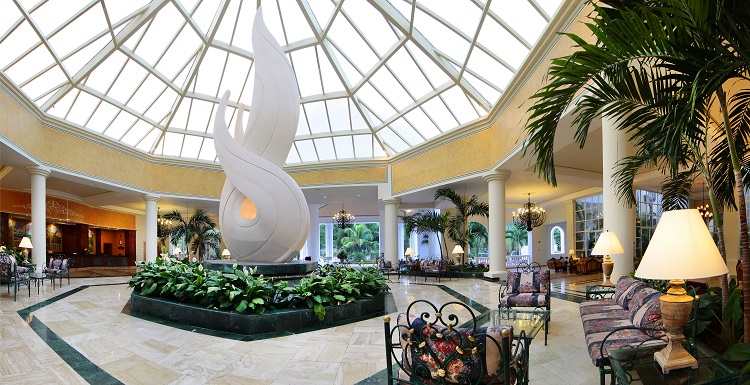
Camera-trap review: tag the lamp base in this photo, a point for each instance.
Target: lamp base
(676, 306)
(607, 267)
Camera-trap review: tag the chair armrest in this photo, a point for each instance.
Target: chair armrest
(600, 292)
(654, 338)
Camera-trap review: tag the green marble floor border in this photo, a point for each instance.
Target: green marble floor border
(90, 372)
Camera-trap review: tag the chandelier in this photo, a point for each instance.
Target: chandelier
(162, 225)
(704, 208)
(162, 221)
(342, 218)
(529, 216)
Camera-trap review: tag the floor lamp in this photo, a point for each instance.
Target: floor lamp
(681, 248)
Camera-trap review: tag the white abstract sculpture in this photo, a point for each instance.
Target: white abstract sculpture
(263, 214)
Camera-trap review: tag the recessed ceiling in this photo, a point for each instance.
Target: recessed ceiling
(376, 78)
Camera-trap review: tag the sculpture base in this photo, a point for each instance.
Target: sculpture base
(273, 270)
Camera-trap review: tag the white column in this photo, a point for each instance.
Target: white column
(390, 233)
(401, 249)
(39, 176)
(496, 221)
(329, 240)
(313, 237)
(617, 217)
(414, 241)
(381, 230)
(152, 247)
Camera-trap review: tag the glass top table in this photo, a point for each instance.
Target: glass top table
(38, 278)
(637, 366)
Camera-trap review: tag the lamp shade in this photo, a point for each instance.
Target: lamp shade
(225, 252)
(458, 249)
(25, 243)
(607, 244)
(571, 251)
(681, 248)
(409, 251)
(177, 250)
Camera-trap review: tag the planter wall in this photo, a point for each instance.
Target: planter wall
(276, 321)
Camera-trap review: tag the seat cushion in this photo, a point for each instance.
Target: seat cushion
(532, 282)
(524, 300)
(645, 310)
(625, 290)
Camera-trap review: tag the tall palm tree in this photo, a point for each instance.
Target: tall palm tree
(358, 240)
(187, 230)
(458, 227)
(477, 236)
(658, 67)
(430, 222)
(517, 237)
(207, 243)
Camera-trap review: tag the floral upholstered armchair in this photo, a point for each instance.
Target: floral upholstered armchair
(58, 268)
(528, 286)
(12, 274)
(428, 345)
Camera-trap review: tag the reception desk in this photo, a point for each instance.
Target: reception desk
(91, 260)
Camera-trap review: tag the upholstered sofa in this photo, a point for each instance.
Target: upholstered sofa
(631, 317)
(429, 345)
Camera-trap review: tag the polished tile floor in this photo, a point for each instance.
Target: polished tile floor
(79, 333)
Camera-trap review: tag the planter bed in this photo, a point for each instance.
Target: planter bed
(274, 321)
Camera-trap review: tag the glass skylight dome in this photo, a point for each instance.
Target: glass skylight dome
(376, 77)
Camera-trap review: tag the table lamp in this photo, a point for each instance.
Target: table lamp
(177, 251)
(26, 244)
(225, 254)
(681, 248)
(409, 253)
(458, 250)
(607, 244)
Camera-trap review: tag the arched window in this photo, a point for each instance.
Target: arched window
(557, 235)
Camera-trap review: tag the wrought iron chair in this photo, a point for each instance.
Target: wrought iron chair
(528, 286)
(58, 268)
(13, 275)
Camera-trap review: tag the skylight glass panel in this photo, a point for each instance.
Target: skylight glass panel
(489, 68)
(163, 28)
(79, 31)
(272, 20)
(103, 117)
(118, 9)
(54, 12)
(189, 4)
(292, 157)
(146, 94)
(549, 6)
(306, 150)
(127, 82)
(9, 15)
(331, 81)
(31, 64)
(137, 132)
(235, 74)
(351, 74)
(347, 38)
(402, 65)
(338, 113)
(358, 122)
(61, 108)
(456, 100)
(295, 24)
(205, 13)
(180, 117)
(422, 123)
(191, 146)
(17, 43)
(247, 92)
(162, 105)
(439, 113)
(226, 27)
(372, 98)
(462, 14)
(317, 117)
(322, 11)
(402, 7)
(325, 149)
(43, 83)
(82, 108)
(489, 93)
(208, 151)
(344, 147)
(502, 43)
(209, 75)
(43, 99)
(392, 140)
(384, 81)
(370, 116)
(362, 146)
(200, 114)
(306, 68)
(75, 62)
(372, 25)
(522, 17)
(104, 74)
(228, 117)
(436, 75)
(149, 140)
(180, 51)
(442, 37)
(243, 29)
(377, 151)
(172, 144)
(302, 127)
(406, 132)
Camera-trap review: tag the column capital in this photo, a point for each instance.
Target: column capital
(38, 170)
(497, 175)
(151, 197)
(391, 201)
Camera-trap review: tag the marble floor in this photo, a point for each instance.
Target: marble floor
(78, 333)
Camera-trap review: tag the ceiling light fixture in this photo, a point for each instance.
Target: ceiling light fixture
(529, 216)
(704, 208)
(343, 218)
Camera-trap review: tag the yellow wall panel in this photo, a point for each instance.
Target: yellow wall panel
(341, 176)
